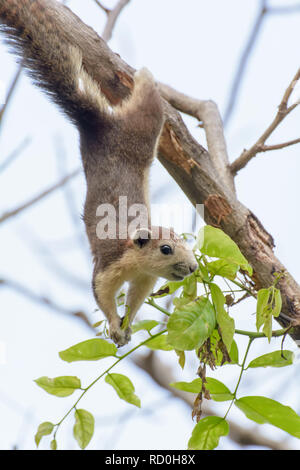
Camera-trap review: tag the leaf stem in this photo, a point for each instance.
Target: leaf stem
(255, 334)
(240, 376)
(152, 302)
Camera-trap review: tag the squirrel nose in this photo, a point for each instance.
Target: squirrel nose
(193, 267)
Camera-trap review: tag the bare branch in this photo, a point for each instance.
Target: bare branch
(236, 83)
(285, 9)
(10, 92)
(106, 10)
(39, 197)
(45, 301)
(266, 148)
(112, 16)
(283, 111)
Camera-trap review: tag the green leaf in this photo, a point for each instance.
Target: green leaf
(193, 387)
(267, 328)
(189, 326)
(206, 434)
(181, 358)
(147, 325)
(277, 302)
(203, 273)
(44, 429)
(53, 444)
(159, 342)
(273, 359)
(218, 391)
(223, 268)
(59, 386)
(168, 288)
(90, 350)
(225, 322)
(262, 303)
(264, 410)
(124, 388)
(125, 321)
(98, 323)
(233, 354)
(83, 428)
(189, 292)
(215, 243)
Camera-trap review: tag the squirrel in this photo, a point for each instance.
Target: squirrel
(118, 145)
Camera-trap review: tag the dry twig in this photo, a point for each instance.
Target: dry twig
(112, 16)
(259, 146)
(39, 197)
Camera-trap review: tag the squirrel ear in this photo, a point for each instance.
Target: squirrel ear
(141, 237)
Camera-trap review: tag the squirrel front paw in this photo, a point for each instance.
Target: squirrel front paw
(120, 337)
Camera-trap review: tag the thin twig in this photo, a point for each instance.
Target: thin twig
(266, 148)
(112, 16)
(39, 197)
(15, 153)
(283, 111)
(10, 92)
(285, 9)
(45, 301)
(100, 4)
(237, 81)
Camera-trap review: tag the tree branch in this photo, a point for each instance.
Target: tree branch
(39, 197)
(112, 16)
(236, 83)
(206, 111)
(283, 111)
(45, 301)
(10, 92)
(188, 163)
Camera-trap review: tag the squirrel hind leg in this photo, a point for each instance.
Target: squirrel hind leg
(143, 110)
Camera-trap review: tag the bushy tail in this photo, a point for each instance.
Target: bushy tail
(53, 63)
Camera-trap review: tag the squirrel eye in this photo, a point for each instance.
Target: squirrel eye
(166, 250)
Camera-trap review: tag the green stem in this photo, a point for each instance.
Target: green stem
(255, 335)
(104, 373)
(240, 376)
(243, 287)
(155, 305)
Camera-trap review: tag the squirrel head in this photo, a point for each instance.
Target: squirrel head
(162, 253)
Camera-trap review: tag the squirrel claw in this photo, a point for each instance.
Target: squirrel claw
(120, 337)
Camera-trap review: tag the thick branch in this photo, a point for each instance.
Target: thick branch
(207, 112)
(188, 163)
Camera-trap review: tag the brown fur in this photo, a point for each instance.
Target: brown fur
(117, 148)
